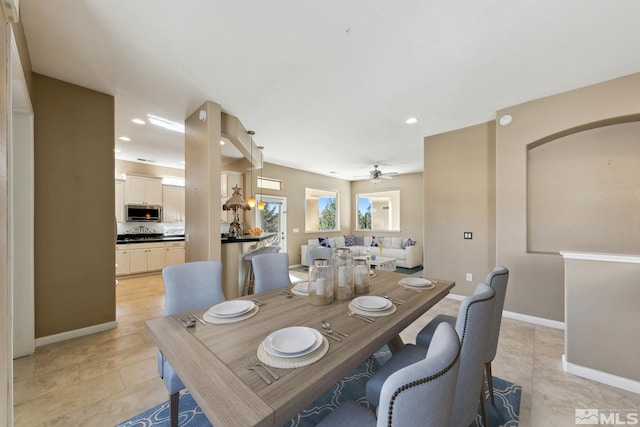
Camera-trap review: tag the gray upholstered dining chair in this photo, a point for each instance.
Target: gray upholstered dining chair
(497, 280)
(472, 326)
(270, 271)
(420, 394)
(187, 286)
(319, 252)
(249, 277)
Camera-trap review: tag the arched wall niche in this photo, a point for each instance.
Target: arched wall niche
(583, 189)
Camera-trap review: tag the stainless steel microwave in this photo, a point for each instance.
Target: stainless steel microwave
(143, 213)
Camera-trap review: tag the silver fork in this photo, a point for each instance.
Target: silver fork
(256, 362)
(258, 302)
(250, 367)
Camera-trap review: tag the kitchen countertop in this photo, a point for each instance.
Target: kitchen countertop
(247, 238)
(147, 238)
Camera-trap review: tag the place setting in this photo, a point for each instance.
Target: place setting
(293, 347)
(301, 289)
(231, 311)
(369, 307)
(416, 284)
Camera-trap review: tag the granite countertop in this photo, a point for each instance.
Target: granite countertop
(148, 238)
(246, 238)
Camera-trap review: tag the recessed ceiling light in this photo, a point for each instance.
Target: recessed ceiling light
(138, 121)
(411, 120)
(506, 120)
(222, 142)
(183, 163)
(115, 150)
(124, 138)
(165, 123)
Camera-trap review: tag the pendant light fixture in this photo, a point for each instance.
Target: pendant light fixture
(251, 201)
(261, 204)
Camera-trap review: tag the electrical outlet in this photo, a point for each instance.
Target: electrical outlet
(296, 230)
(469, 277)
(468, 235)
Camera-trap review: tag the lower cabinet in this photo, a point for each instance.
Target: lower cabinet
(138, 258)
(122, 260)
(175, 253)
(144, 257)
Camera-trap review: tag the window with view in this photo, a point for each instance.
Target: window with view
(378, 211)
(321, 210)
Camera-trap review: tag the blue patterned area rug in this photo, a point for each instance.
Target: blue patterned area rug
(351, 387)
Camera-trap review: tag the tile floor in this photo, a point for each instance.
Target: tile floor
(106, 378)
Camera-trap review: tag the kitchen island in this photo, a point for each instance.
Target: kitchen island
(233, 268)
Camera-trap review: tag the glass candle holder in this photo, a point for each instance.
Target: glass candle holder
(361, 276)
(342, 262)
(320, 282)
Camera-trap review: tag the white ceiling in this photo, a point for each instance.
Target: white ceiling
(327, 85)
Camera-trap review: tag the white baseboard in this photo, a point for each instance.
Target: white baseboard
(74, 334)
(522, 317)
(601, 377)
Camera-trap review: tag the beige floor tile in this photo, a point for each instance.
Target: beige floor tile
(108, 377)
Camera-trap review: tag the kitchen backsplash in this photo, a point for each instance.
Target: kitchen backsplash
(149, 228)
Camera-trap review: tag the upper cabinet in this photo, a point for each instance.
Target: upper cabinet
(228, 180)
(172, 204)
(119, 200)
(143, 190)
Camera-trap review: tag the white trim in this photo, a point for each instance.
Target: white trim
(592, 256)
(75, 333)
(601, 377)
(522, 317)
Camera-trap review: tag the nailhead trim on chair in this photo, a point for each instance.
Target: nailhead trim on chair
(417, 383)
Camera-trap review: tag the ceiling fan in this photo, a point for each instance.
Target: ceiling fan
(376, 175)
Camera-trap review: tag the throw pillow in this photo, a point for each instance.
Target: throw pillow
(408, 242)
(360, 241)
(339, 242)
(350, 240)
(324, 241)
(375, 241)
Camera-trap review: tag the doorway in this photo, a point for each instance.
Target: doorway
(273, 219)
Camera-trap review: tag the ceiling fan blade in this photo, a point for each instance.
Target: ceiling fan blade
(385, 176)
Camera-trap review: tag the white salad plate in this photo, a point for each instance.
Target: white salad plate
(302, 287)
(231, 308)
(284, 342)
(372, 303)
(416, 282)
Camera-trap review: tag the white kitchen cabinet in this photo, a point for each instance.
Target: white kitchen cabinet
(122, 260)
(228, 180)
(172, 204)
(175, 252)
(143, 190)
(144, 257)
(119, 200)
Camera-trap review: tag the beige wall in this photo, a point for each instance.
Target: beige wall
(74, 205)
(536, 282)
(459, 196)
(584, 193)
(202, 184)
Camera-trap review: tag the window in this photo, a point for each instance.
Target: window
(378, 210)
(321, 210)
(269, 183)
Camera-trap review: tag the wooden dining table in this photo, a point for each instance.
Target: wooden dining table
(209, 359)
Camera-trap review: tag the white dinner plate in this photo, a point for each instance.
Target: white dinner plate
(372, 303)
(417, 282)
(302, 287)
(294, 339)
(231, 308)
(268, 347)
